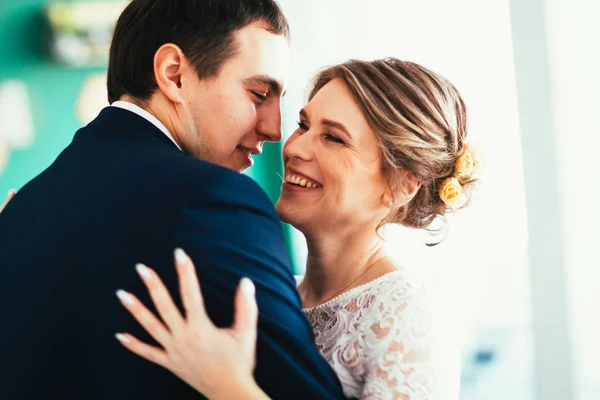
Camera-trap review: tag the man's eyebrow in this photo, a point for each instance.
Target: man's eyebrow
(273, 84)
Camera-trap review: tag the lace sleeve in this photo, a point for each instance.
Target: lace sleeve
(398, 343)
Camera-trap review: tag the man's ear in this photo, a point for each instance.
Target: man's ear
(169, 64)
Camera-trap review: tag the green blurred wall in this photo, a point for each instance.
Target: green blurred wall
(53, 90)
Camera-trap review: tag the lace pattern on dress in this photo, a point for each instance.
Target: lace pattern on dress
(378, 339)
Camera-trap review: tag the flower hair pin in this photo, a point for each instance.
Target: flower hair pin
(467, 167)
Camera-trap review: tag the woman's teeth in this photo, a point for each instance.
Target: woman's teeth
(301, 181)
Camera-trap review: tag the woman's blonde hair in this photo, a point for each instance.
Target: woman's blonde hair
(421, 122)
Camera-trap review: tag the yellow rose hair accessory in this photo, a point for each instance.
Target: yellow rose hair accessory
(468, 165)
(464, 166)
(451, 193)
(477, 157)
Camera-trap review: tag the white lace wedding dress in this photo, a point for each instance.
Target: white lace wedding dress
(382, 340)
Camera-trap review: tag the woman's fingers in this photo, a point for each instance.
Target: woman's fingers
(9, 196)
(150, 353)
(161, 298)
(145, 317)
(206, 357)
(191, 296)
(246, 315)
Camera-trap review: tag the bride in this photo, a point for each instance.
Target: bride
(379, 142)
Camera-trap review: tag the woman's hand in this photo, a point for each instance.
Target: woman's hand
(217, 362)
(9, 196)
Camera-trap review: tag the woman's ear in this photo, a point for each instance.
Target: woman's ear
(403, 191)
(408, 186)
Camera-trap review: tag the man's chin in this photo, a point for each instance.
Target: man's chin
(240, 162)
(237, 167)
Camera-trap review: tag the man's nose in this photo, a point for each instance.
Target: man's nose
(269, 124)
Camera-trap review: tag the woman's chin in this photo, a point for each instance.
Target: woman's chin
(286, 214)
(283, 215)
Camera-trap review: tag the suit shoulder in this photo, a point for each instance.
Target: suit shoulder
(224, 185)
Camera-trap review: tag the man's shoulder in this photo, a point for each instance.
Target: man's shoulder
(145, 165)
(208, 180)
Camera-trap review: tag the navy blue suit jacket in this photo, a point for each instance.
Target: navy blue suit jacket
(119, 194)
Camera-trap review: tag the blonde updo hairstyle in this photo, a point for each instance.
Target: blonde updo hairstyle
(420, 119)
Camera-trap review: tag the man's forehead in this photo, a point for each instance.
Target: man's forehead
(263, 55)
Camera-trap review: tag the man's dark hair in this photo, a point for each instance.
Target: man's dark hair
(203, 29)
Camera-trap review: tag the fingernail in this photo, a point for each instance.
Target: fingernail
(143, 271)
(247, 287)
(180, 256)
(125, 297)
(122, 338)
(12, 192)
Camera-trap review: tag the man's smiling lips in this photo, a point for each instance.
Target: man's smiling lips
(248, 153)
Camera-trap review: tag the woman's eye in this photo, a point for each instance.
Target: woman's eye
(332, 138)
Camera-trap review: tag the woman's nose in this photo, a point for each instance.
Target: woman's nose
(299, 146)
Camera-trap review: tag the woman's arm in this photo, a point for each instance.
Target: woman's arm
(217, 362)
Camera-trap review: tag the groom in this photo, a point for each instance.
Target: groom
(188, 80)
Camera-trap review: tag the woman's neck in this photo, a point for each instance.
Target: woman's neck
(335, 260)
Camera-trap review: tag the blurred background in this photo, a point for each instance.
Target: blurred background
(518, 275)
